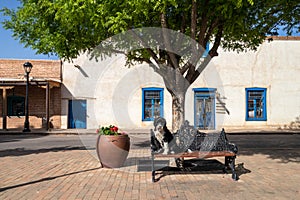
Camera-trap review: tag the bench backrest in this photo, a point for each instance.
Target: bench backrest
(188, 138)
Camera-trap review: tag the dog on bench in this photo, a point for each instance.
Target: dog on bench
(161, 137)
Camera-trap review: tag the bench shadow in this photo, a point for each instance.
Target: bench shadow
(192, 166)
(138, 145)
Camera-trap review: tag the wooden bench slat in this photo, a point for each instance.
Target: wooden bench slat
(197, 154)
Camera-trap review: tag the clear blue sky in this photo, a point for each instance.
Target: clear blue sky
(11, 48)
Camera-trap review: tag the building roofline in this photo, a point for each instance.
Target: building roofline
(283, 38)
(35, 60)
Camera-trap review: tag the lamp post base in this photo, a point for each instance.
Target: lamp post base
(26, 127)
(26, 130)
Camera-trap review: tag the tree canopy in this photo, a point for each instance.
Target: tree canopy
(67, 28)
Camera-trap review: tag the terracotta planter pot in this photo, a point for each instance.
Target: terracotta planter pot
(112, 150)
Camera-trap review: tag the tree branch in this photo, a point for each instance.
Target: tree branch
(149, 50)
(212, 27)
(213, 52)
(193, 19)
(183, 24)
(203, 25)
(172, 58)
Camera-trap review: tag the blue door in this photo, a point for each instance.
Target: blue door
(205, 109)
(77, 114)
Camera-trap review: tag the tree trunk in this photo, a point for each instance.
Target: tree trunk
(178, 116)
(177, 85)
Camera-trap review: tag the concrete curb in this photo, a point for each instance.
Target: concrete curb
(141, 131)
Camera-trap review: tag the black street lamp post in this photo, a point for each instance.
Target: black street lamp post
(27, 67)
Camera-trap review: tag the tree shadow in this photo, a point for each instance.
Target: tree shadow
(282, 155)
(23, 151)
(294, 125)
(17, 137)
(45, 179)
(282, 147)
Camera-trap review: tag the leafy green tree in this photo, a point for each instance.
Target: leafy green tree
(68, 28)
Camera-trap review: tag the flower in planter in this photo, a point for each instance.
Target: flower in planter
(109, 130)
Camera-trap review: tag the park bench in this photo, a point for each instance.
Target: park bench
(191, 143)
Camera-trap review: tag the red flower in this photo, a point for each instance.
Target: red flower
(115, 129)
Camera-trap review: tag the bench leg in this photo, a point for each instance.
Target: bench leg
(230, 162)
(226, 165)
(152, 168)
(179, 163)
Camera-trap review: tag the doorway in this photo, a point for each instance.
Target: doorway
(77, 114)
(204, 116)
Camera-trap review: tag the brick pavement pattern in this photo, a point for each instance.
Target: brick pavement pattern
(76, 174)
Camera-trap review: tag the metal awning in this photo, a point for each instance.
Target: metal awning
(32, 81)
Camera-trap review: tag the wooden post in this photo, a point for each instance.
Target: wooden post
(4, 106)
(4, 109)
(47, 106)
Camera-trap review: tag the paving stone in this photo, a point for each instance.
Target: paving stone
(76, 174)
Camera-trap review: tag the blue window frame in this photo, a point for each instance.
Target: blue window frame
(153, 103)
(256, 109)
(15, 106)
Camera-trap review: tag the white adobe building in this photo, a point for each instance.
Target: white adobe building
(236, 90)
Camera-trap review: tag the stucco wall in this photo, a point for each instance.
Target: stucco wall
(275, 66)
(114, 92)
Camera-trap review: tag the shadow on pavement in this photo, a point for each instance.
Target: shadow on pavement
(282, 155)
(284, 148)
(15, 138)
(138, 145)
(45, 179)
(22, 151)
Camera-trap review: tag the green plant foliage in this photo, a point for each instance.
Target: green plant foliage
(108, 130)
(68, 28)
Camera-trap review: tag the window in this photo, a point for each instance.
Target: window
(256, 109)
(152, 103)
(15, 106)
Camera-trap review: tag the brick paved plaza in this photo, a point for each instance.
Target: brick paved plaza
(74, 173)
